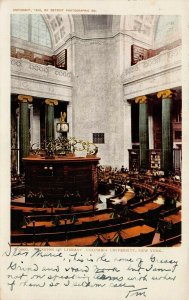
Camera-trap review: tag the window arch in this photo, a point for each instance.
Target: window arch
(31, 28)
(19, 26)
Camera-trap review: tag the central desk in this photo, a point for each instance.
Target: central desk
(64, 179)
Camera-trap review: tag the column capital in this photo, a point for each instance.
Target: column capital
(141, 99)
(51, 102)
(165, 94)
(25, 98)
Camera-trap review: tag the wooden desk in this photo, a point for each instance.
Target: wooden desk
(174, 218)
(48, 224)
(146, 207)
(89, 240)
(173, 186)
(171, 226)
(137, 230)
(48, 210)
(54, 177)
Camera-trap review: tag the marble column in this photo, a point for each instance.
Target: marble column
(24, 132)
(127, 132)
(143, 131)
(167, 139)
(150, 128)
(49, 118)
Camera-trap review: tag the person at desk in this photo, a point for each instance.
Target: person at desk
(122, 169)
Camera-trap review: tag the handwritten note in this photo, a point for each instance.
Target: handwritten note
(89, 268)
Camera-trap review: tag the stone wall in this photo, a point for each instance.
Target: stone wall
(98, 96)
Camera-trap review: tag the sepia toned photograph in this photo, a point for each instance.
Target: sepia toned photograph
(96, 130)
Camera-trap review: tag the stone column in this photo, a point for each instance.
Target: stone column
(24, 125)
(127, 132)
(143, 131)
(49, 118)
(150, 128)
(167, 139)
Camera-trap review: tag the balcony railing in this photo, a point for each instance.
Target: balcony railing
(22, 67)
(165, 60)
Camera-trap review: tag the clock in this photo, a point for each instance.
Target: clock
(62, 127)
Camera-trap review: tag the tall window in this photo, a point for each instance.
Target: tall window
(19, 26)
(31, 28)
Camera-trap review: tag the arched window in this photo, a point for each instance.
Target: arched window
(31, 28)
(39, 31)
(20, 26)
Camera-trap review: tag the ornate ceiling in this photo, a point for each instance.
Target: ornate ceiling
(140, 27)
(143, 28)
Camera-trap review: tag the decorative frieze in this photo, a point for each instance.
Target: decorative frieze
(156, 82)
(38, 88)
(40, 81)
(164, 61)
(27, 69)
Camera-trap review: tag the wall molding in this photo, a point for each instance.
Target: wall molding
(37, 88)
(154, 74)
(40, 80)
(154, 83)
